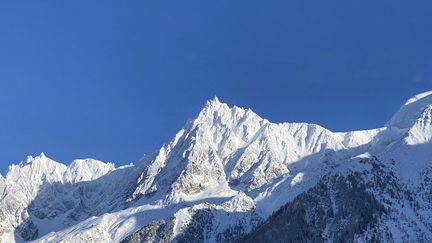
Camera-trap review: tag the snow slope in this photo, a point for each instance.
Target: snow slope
(41, 195)
(221, 176)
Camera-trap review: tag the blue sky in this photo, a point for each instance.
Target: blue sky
(117, 79)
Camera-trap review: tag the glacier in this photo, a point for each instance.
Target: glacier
(231, 176)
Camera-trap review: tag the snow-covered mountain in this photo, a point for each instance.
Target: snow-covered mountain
(230, 175)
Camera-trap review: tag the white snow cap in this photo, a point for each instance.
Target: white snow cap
(30, 159)
(214, 104)
(411, 110)
(215, 99)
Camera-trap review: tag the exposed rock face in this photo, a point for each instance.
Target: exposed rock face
(369, 205)
(227, 222)
(27, 230)
(230, 175)
(234, 148)
(337, 209)
(43, 190)
(158, 231)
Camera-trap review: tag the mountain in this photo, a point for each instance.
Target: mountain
(231, 176)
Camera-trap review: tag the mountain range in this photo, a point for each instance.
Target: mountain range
(231, 176)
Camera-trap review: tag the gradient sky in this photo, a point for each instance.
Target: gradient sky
(113, 80)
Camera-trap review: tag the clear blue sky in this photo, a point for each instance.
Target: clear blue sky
(116, 79)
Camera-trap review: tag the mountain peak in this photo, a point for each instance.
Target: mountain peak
(30, 159)
(411, 110)
(212, 108)
(87, 169)
(215, 99)
(216, 113)
(214, 104)
(225, 174)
